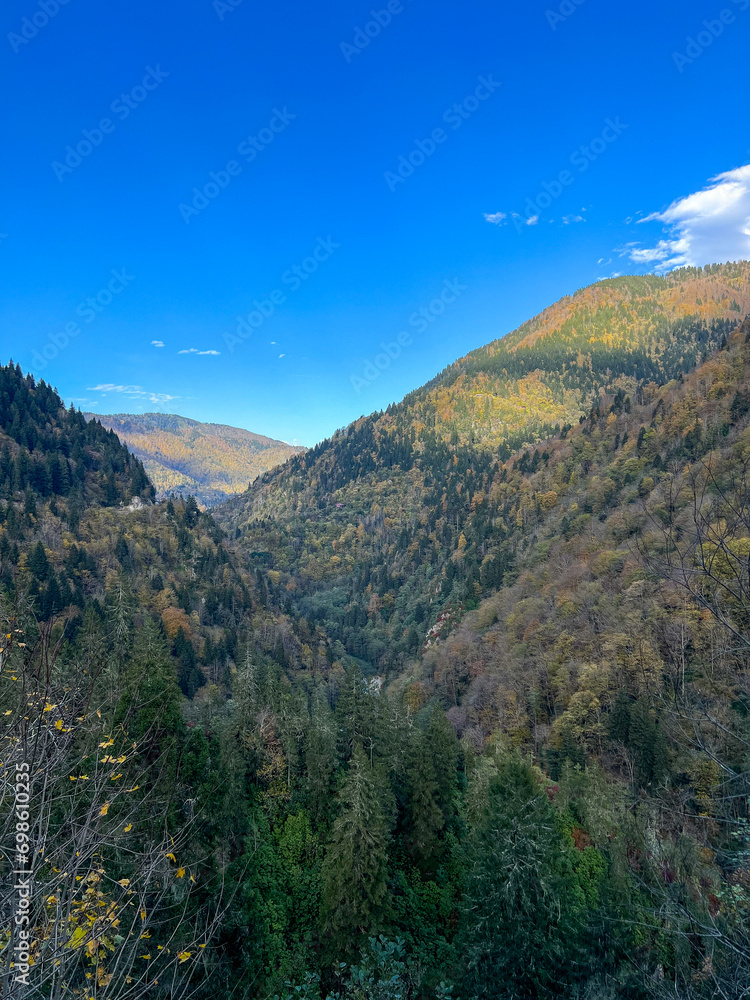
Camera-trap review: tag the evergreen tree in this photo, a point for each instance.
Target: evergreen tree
(522, 932)
(355, 869)
(424, 820)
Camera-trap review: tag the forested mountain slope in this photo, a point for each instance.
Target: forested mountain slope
(189, 458)
(533, 784)
(391, 527)
(52, 452)
(546, 373)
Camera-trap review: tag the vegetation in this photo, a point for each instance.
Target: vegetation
(208, 461)
(48, 451)
(480, 732)
(386, 532)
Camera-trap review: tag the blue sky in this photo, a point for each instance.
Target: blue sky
(304, 127)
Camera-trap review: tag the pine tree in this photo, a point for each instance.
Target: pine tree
(356, 865)
(522, 928)
(354, 713)
(424, 820)
(320, 765)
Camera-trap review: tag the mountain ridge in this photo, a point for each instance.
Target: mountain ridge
(210, 461)
(560, 637)
(397, 502)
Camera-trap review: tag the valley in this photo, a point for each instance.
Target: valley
(463, 684)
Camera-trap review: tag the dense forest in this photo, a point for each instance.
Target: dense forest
(48, 451)
(365, 531)
(423, 715)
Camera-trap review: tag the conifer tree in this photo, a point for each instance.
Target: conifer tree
(523, 929)
(356, 864)
(424, 818)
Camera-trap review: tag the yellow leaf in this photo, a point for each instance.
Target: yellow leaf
(143, 914)
(180, 873)
(124, 882)
(172, 858)
(128, 828)
(114, 777)
(133, 789)
(10, 712)
(49, 708)
(104, 809)
(59, 724)
(184, 956)
(76, 938)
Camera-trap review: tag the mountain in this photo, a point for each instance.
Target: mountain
(49, 451)
(622, 331)
(182, 456)
(392, 524)
(421, 717)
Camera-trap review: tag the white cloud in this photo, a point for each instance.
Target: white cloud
(157, 343)
(282, 355)
(567, 219)
(533, 221)
(194, 350)
(134, 392)
(497, 218)
(707, 227)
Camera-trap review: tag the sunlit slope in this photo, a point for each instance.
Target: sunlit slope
(546, 373)
(208, 461)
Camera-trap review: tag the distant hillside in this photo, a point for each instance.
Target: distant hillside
(209, 461)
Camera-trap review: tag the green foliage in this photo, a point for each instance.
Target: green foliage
(48, 451)
(526, 900)
(355, 869)
(485, 724)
